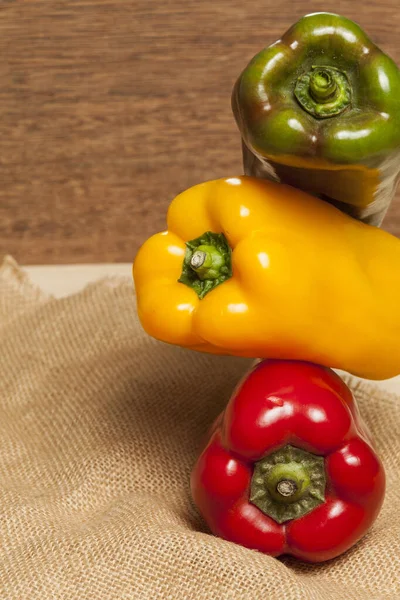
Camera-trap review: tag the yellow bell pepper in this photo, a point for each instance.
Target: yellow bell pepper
(254, 268)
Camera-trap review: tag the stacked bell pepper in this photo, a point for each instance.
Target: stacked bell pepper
(290, 468)
(319, 109)
(253, 267)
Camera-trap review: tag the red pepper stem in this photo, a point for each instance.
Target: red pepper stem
(288, 483)
(286, 488)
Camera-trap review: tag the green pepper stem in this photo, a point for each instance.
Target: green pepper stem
(323, 85)
(323, 91)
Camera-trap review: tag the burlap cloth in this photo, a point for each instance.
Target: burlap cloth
(100, 426)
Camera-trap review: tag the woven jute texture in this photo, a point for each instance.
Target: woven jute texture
(99, 428)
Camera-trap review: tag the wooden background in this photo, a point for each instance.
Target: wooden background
(108, 109)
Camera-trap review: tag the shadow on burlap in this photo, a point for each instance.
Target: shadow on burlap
(100, 426)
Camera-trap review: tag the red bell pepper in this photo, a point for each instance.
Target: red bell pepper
(289, 467)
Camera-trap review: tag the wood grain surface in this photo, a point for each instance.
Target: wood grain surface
(108, 109)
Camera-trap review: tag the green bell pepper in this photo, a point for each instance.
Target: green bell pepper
(320, 110)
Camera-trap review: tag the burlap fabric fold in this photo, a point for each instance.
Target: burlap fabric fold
(100, 426)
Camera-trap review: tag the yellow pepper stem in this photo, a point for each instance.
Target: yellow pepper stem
(207, 263)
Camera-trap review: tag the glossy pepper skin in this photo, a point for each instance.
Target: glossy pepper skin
(320, 110)
(308, 411)
(302, 280)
